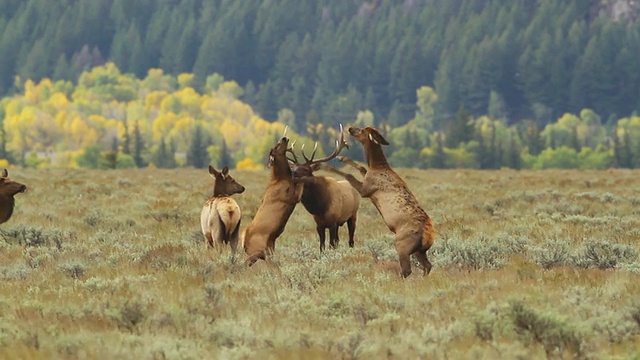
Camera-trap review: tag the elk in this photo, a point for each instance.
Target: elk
(278, 202)
(331, 202)
(413, 228)
(8, 188)
(220, 216)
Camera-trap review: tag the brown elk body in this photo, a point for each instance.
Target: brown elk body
(8, 188)
(397, 205)
(278, 202)
(221, 215)
(332, 203)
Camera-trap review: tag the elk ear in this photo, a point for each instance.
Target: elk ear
(270, 159)
(5, 173)
(212, 171)
(375, 136)
(225, 171)
(316, 167)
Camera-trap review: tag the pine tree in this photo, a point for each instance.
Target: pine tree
(575, 141)
(461, 130)
(514, 160)
(482, 156)
(109, 158)
(164, 158)
(225, 156)
(532, 139)
(439, 159)
(126, 141)
(197, 155)
(138, 146)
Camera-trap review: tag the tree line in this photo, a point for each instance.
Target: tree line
(320, 62)
(110, 119)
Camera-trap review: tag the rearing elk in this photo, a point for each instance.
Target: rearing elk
(278, 202)
(331, 202)
(220, 216)
(396, 203)
(8, 188)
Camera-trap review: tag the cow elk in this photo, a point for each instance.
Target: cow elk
(220, 216)
(398, 206)
(332, 203)
(8, 188)
(278, 202)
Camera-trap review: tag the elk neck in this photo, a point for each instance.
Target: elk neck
(315, 196)
(219, 189)
(280, 168)
(375, 156)
(6, 207)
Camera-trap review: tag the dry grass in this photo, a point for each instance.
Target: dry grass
(111, 264)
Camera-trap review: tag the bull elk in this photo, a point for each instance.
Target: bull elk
(389, 193)
(8, 188)
(278, 202)
(331, 202)
(220, 216)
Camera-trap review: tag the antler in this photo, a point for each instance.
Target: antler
(340, 144)
(290, 150)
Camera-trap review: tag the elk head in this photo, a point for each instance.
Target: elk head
(224, 184)
(9, 187)
(310, 164)
(278, 158)
(367, 135)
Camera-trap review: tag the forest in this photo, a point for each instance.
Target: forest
(479, 84)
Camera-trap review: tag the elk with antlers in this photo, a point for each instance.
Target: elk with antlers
(331, 202)
(220, 216)
(396, 203)
(8, 188)
(278, 202)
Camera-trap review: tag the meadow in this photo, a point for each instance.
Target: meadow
(527, 264)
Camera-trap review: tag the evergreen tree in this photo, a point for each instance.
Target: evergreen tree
(164, 157)
(482, 155)
(138, 146)
(460, 130)
(109, 158)
(126, 141)
(225, 156)
(575, 141)
(439, 158)
(197, 155)
(514, 160)
(532, 138)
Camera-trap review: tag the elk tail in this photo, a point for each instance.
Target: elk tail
(428, 234)
(223, 230)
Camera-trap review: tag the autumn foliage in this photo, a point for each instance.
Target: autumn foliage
(108, 113)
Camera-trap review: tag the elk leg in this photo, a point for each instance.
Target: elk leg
(252, 259)
(405, 265)
(333, 236)
(407, 244)
(355, 183)
(351, 225)
(421, 255)
(233, 241)
(208, 240)
(321, 234)
(346, 160)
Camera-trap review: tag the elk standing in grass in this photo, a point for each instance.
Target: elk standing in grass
(278, 202)
(220, 216)
(8, 188)
(396, 203)
(331, 202)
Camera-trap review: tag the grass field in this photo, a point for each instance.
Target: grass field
(111, 264)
